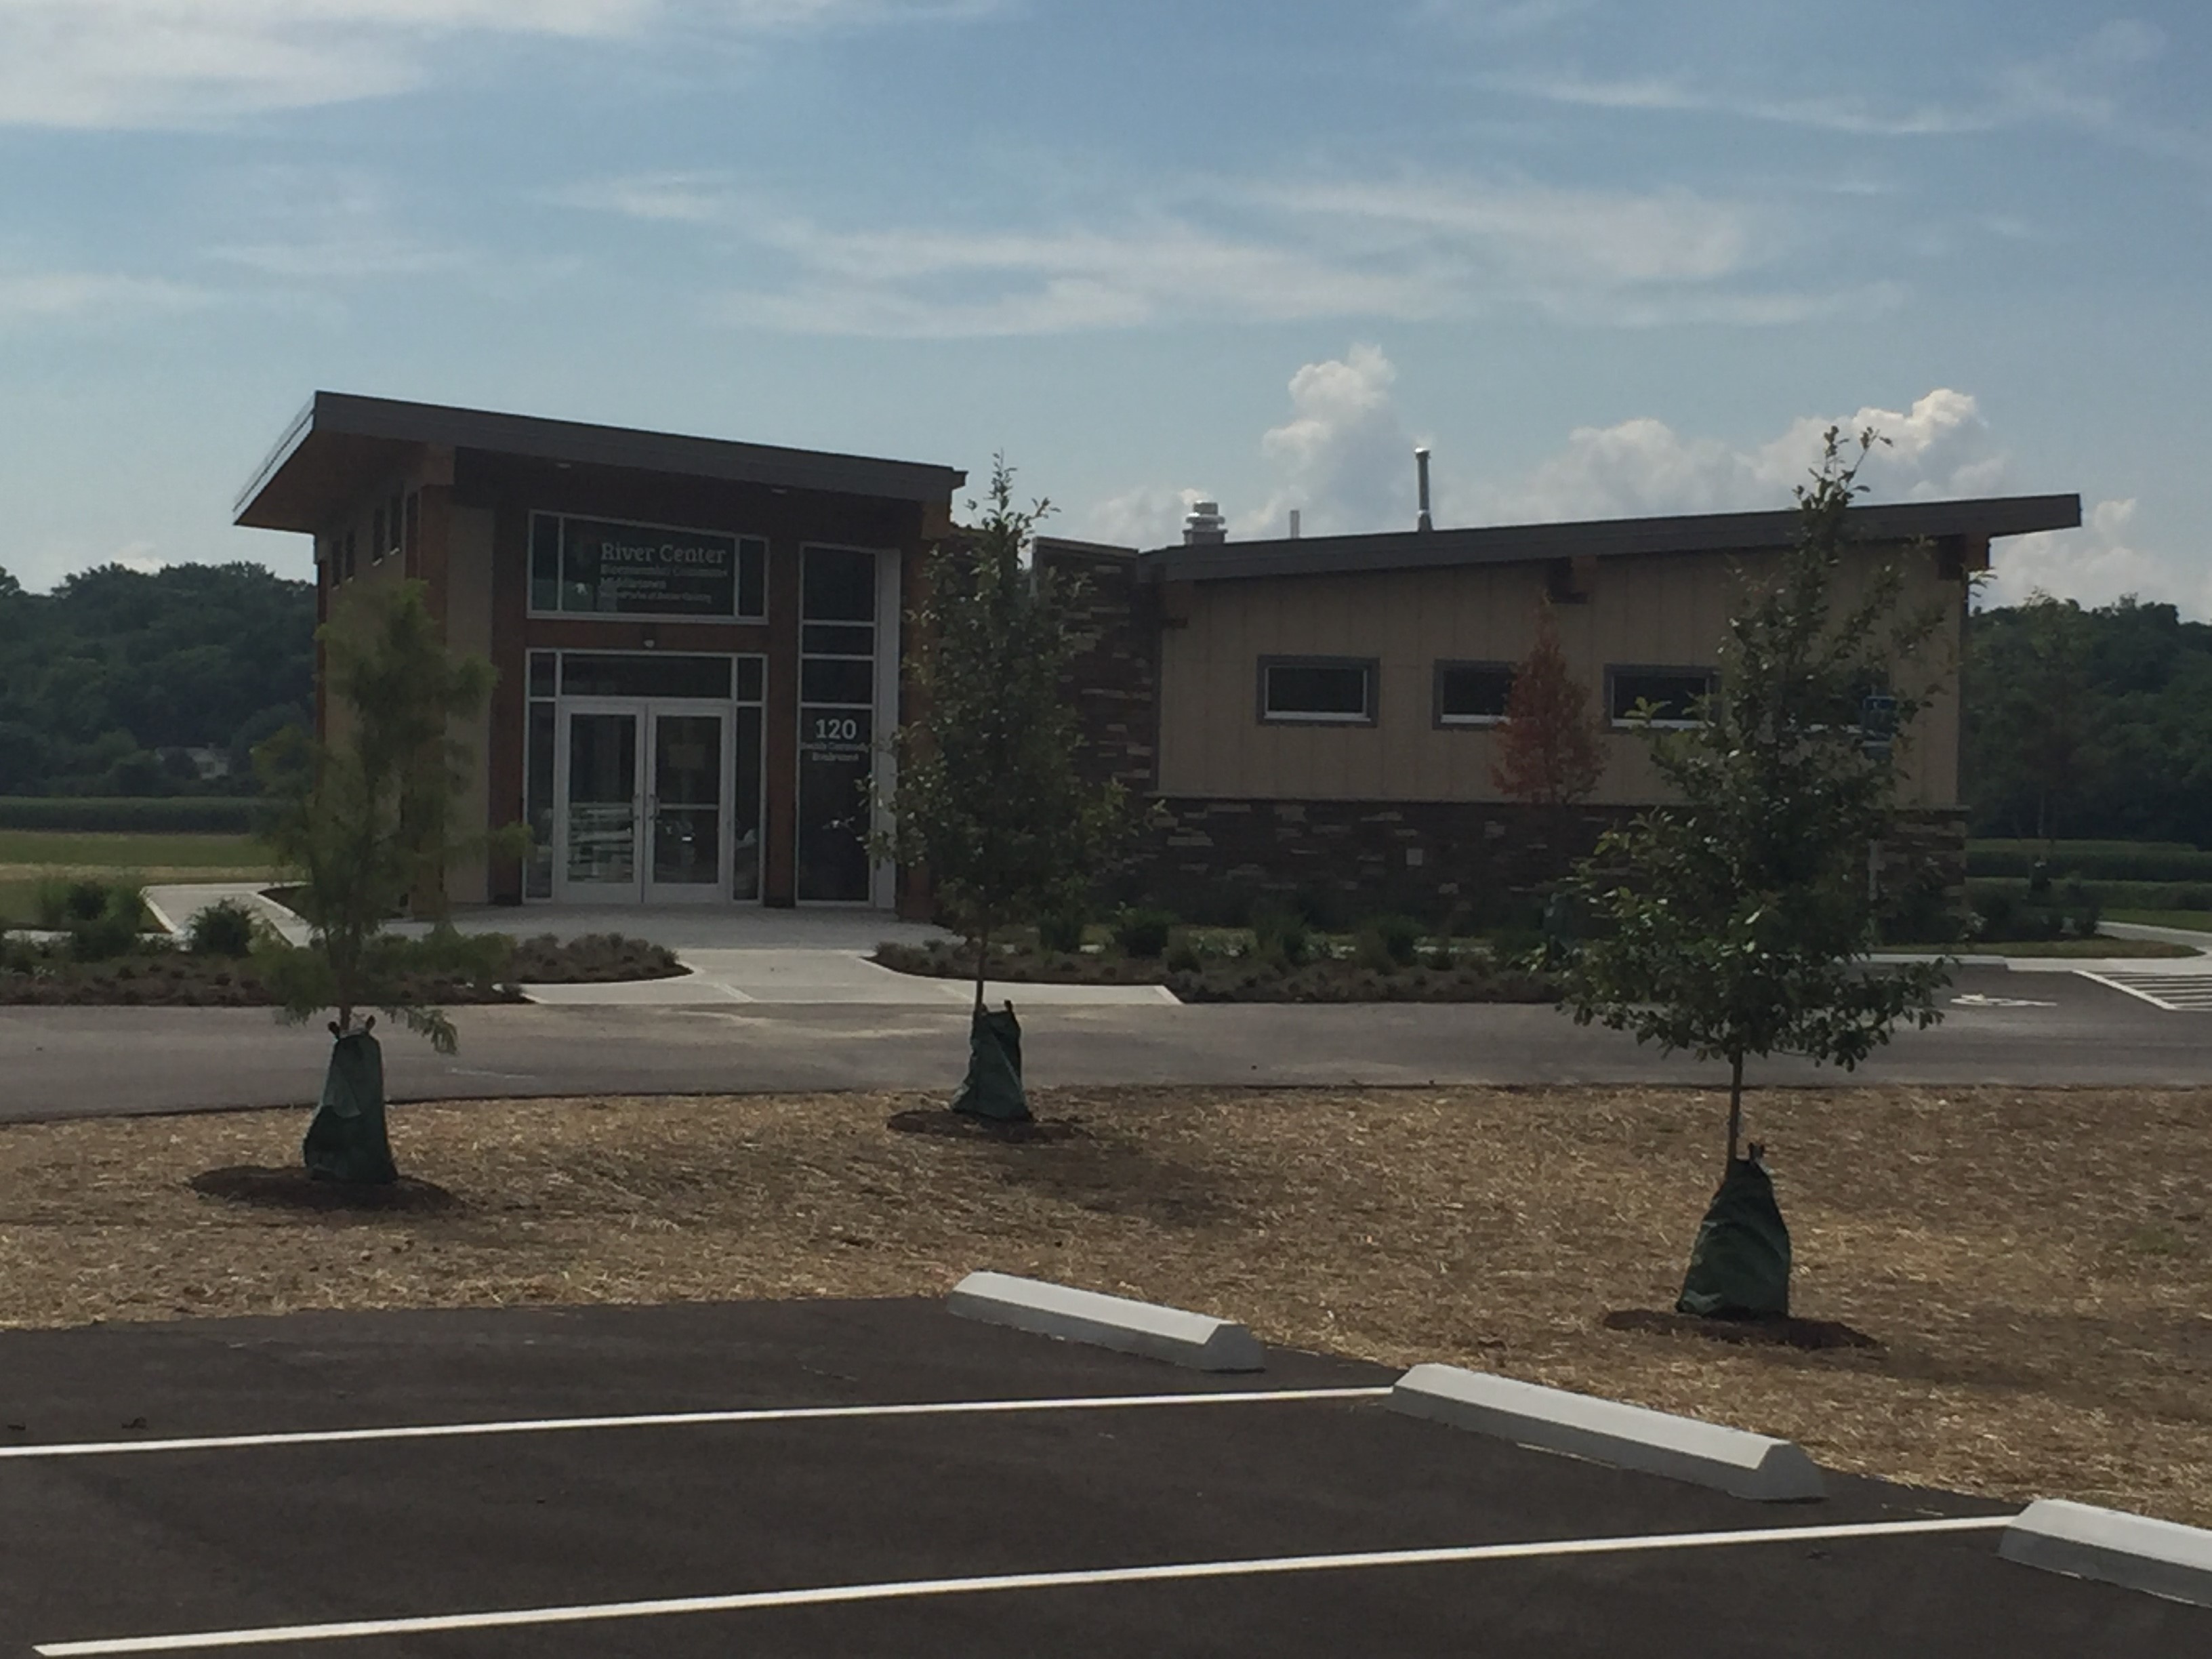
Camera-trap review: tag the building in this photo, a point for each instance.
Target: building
(697, 642)
(1315, 717)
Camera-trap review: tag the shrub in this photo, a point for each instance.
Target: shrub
(1282, 934)
(1182, 958)
(1142, 931)
(226, 929)
(1062, 931)
(1390, 941)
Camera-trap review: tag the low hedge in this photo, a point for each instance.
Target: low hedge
(179, 815)
(1253, 978)
(2091, 861)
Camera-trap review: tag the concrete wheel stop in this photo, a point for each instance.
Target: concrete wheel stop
(2135, 1552)
(1607, 1431)
(1197, 1341)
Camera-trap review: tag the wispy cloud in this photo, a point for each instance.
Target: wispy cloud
(90, 296)
(1394, 249)
(156, 63)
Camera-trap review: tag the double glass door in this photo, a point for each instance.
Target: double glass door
(646, 796)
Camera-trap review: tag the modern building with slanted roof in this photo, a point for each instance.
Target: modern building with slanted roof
(700, 644)
(697, 641)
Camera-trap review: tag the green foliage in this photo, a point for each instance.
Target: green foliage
(2091, 861)
(1281, 935)
(367, 820)
(1736, 922)
(1142, 931)
(104, 682)
(2090, 722)
(1061, 930)
(2071, 912)
(1390, 942)
(989, 800)
(225, 929)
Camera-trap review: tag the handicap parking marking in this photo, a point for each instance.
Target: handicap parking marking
(912, 1589)
(2177, 993)
(686, 1419)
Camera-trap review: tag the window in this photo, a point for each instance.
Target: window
(605, 567)
(1473, 693)
(1670, 694)
(1317, 690)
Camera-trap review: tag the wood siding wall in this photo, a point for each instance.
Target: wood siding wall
(1668, 610)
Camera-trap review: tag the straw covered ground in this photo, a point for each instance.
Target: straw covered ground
(2038, 1264)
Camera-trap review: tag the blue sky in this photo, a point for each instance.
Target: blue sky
(1604, 256)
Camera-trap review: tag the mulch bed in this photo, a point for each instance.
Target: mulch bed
(1237, 979)
(1809, 1335)
(290, 1186)
(2036, 1264)
(47, 976)
(966, 1125)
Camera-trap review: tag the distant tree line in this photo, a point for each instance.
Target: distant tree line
(2090, 723)
(107, 683)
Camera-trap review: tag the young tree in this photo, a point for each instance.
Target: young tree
(366, 818)
(988, 800)
(1548, 749)
(1736, 923)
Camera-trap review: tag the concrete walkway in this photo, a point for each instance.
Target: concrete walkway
(735, 955)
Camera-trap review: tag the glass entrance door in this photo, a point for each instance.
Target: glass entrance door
(686, 808)
(645, 804)
(602, 803)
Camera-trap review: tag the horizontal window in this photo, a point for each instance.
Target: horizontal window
(834, 680)
(1473, 693)
(1665, 697)
(1328, 690)
(607, 567)
(653, 675)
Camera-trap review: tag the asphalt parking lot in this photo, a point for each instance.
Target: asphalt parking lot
(1028, 1506)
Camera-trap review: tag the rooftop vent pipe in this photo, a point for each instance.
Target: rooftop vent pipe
(1203, 524)
(1294, 524)
(1421, 470)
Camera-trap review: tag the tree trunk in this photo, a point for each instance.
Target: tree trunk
(1735, 1106)
(982, 963)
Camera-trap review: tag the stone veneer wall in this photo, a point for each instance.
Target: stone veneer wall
(1113, 681)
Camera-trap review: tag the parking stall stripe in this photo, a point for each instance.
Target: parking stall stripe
(835, 1595)
(681, 1420)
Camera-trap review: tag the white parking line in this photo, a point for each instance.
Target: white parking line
(681, 1420)
(834, 1595)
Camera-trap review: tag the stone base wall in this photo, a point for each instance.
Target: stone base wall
(1343, 859)
(1484, 863)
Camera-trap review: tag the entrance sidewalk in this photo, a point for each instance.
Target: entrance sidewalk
(735, 955)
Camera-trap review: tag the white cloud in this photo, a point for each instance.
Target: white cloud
(335, 226)
(1149, 516)
(1389, 248)
(1939, 447)
(50, 296)
(1345, 456)
(2096, 564)
(183, 63)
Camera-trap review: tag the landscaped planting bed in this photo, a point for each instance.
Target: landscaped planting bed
(1467, 975)
(2035, 1264)
(154, 975)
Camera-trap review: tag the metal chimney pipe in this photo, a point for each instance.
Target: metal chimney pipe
(1294, 524)
(1421, 470)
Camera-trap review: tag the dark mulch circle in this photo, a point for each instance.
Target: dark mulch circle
(293, 1188)
(942, 1121)
(1811, 1335)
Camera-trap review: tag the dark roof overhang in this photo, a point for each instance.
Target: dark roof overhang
(1701, 533)
(342, 445)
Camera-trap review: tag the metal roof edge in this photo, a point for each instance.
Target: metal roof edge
(294, 435)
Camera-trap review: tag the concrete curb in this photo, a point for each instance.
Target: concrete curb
(2163, 1558)
(1607, 1431)
(1197, 1341)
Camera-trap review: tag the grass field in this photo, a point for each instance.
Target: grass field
(28, 857)
(2199, 921)
(2036, 1263)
